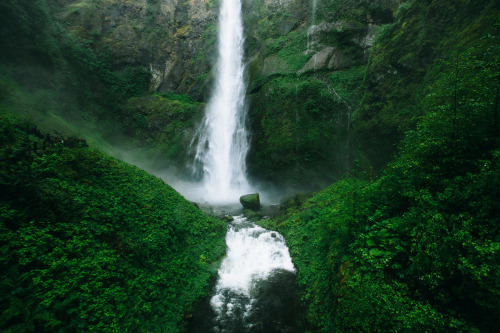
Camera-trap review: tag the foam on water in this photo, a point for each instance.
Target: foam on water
(253, 254)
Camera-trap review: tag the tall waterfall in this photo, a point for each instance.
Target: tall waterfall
(223, 141)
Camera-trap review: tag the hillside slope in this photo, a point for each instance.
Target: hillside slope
(417, 248)
(91, 243)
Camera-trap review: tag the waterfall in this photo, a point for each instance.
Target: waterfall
(255, 290)
(223, 141)
(313, 20)
(311, 44)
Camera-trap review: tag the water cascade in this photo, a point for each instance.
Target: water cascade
(314, 4)
(311, 44)
(255, 288)
(222, 141)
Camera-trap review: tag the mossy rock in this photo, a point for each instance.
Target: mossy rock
(227, 218)
(250, 201)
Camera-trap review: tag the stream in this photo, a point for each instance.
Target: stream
(255, 288)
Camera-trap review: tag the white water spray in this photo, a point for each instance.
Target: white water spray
(311, 44)
(222, 143)
(253, 255)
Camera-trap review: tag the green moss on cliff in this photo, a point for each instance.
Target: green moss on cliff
(296, 124)
(290, 49)
(348, 84)
(397, 75)
(163, 125)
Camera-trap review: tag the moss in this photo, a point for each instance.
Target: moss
(348, 84)
(296, 123)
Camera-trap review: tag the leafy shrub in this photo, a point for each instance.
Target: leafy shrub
(91, 243)
(415, 250)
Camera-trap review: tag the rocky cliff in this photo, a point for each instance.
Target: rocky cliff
(305, 67)
(307, 62)
(332, 84)
(172, 39)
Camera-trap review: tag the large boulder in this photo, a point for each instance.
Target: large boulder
(250, 201)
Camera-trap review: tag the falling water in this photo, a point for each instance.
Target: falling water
(255, 290)
(222, 143)
(312, 43)
(314, 3)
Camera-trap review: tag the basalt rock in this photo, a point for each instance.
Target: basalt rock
(172, 39)
(250, 201)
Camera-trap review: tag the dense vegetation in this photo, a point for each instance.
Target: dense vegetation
(408, 87)
(405, 52)
(91, 243)
(416, 249)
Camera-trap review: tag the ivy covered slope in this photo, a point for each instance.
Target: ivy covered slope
(416, 250)
(89, 243)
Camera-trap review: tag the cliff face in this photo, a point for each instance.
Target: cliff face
(172, 39)
(306, 62)
(330, 82)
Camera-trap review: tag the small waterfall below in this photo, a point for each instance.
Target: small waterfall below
(222, 142)
(255, 290)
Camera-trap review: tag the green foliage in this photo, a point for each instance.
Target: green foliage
(90, 243)
(348, 84)
(27, 32)
(396, 255)
(296, 121)
(290, 49)
(93, 70)
(416, 250)
(401, 60)
(165, 120)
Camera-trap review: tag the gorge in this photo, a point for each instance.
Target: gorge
(374, 124)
